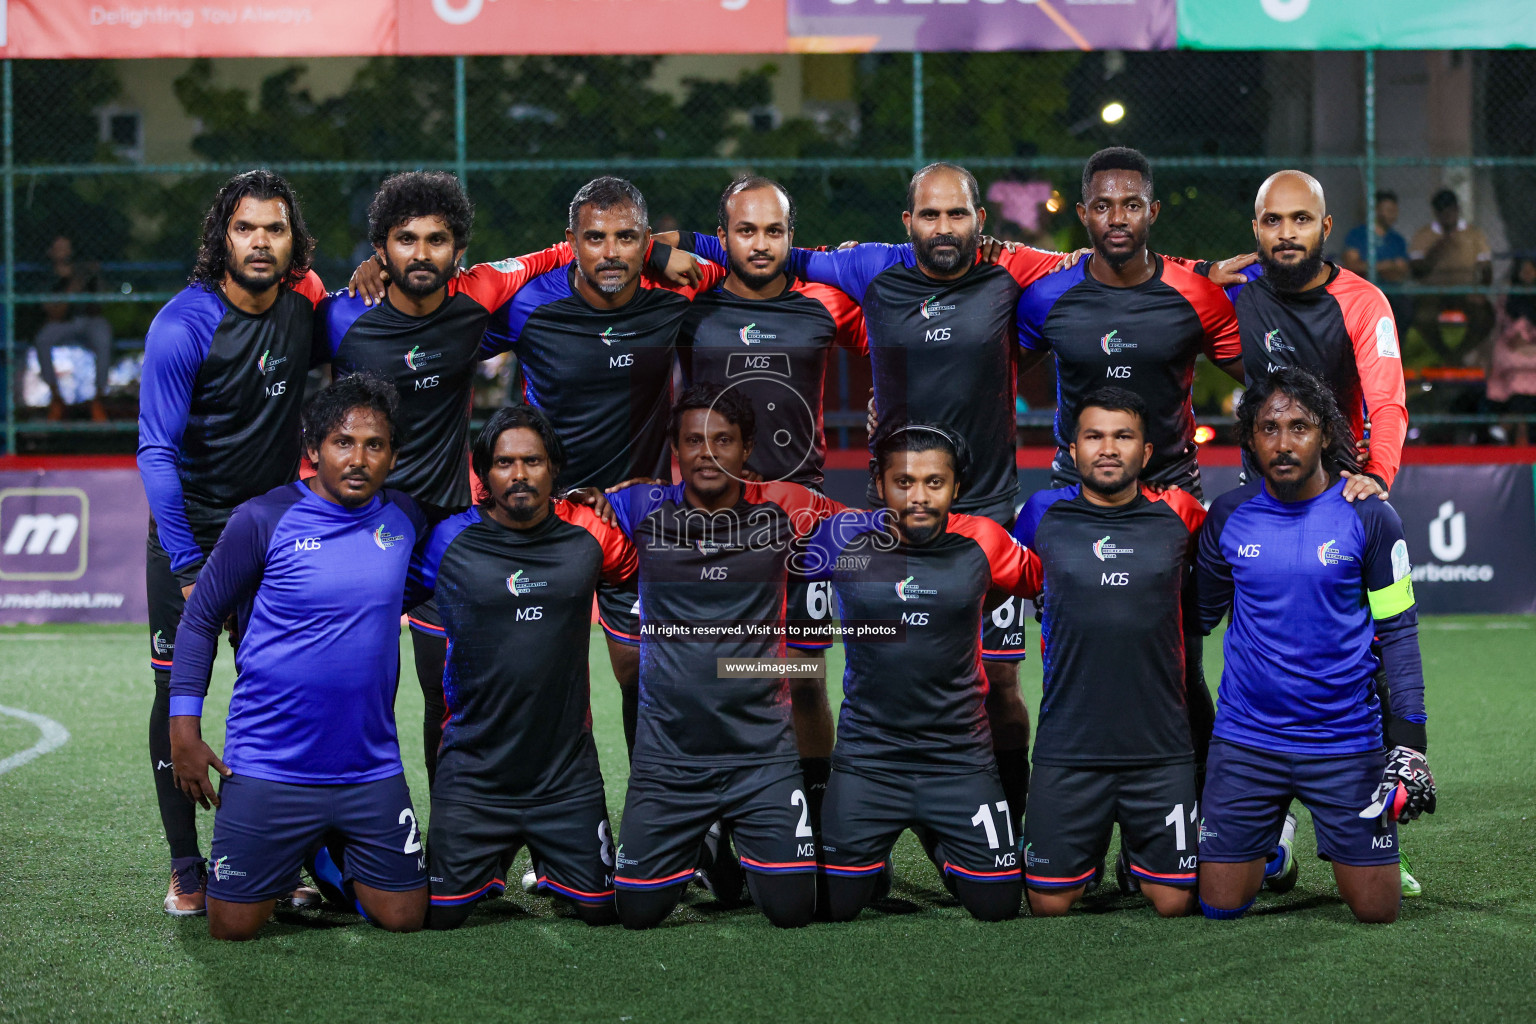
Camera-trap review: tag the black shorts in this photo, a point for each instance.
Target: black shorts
(618, 609)
(1183, 472)
(164, 590)
(1003, 618)
(264, 830)
(569, 841)
(867, 808)
(1072, 811)
(669, 808)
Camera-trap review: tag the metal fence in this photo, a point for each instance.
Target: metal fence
(122, 158)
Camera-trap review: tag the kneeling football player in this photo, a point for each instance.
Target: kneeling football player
(1316, 585)
(313, 573)
(1114, 743)
(914, 747)
(514, 578)
(714, 741)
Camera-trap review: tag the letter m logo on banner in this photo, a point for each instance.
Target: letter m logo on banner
(43, 533)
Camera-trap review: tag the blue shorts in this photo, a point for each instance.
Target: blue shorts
(1248, 790)
(264, 830)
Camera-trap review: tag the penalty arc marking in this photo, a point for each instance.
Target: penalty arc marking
(54, 737)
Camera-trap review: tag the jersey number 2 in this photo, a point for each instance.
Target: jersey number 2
(802, 830)
(413, 836)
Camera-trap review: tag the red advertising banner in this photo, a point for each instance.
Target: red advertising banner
(592, 26)
(341, 28)
(207, 28)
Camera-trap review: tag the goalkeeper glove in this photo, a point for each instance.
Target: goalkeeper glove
(1406, 790)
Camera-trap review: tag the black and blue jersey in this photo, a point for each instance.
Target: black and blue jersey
(316, 589)
(1312, 586)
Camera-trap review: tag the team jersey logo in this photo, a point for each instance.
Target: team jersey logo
(384, 539)
(518, 586)
(1104, 549)
(932, 307)
(1328, 553)
(1112, 344)
(908, 590)
(266, 364)
(416, 358)
(613, 334)
(510, 265)
(1274, 343)
(164, 646)
(222, 872)
(750, 335)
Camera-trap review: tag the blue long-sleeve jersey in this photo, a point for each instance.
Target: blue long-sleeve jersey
(219, 410)
(317, 591)
(1311, 585)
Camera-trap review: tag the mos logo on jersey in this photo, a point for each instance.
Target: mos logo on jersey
(415, 359)
(384, 539)
(266, 364)
(1274, 343)
(931, 307)
(1113, 344)
(1104, 549)
(750, 335)
(1328, 553)
(908, 590)
(518, 584)
(612, 335)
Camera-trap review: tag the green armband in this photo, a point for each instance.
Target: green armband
(1391, 600)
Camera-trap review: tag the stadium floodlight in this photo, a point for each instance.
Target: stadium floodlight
(1113, 112)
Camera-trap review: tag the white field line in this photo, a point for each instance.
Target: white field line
(54, 736)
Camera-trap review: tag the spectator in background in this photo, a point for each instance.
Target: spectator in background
(1392, 267)
(1450, 253)
(1512, 369)
(73, 324)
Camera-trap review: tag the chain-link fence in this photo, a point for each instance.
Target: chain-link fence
(120, 159)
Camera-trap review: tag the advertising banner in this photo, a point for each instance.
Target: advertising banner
(452, 27)
(859, 25)
(72, 546)
(208, 28)
(1356, 25)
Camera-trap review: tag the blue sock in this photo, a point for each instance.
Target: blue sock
(1224, 915)
(1275, 864)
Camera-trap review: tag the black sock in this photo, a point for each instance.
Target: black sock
(431, 657)
(816, 771)
(178, 815)
(1013, 770)
(630, 696)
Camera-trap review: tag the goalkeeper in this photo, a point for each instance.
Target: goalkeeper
(1321, 596)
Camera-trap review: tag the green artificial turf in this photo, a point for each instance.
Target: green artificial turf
(83, 869)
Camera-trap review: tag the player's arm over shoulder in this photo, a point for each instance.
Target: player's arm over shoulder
(620, 560)
(1016, 570)
(806, 508)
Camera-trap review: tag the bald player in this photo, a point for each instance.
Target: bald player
(1297, 309)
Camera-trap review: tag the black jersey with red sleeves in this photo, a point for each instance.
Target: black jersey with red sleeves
(918, 697)
(940, 351)
(516, 607)
(1117, 590)
(602, 376)
(1144, 338)
(432, 361)
(219, 406)
(1342, 331)
(774, 351)
(712, 585)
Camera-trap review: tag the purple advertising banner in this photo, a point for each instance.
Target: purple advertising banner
(861, 25)
(72, 546)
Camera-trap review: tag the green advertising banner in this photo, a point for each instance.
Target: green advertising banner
(1356, 24)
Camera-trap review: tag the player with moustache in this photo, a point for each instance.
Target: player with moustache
(427, 332)
(914, 748)
(1117, 741)
(313, 574)
(223, 383)
(714, 740)
(768, 336)
(514, 579)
